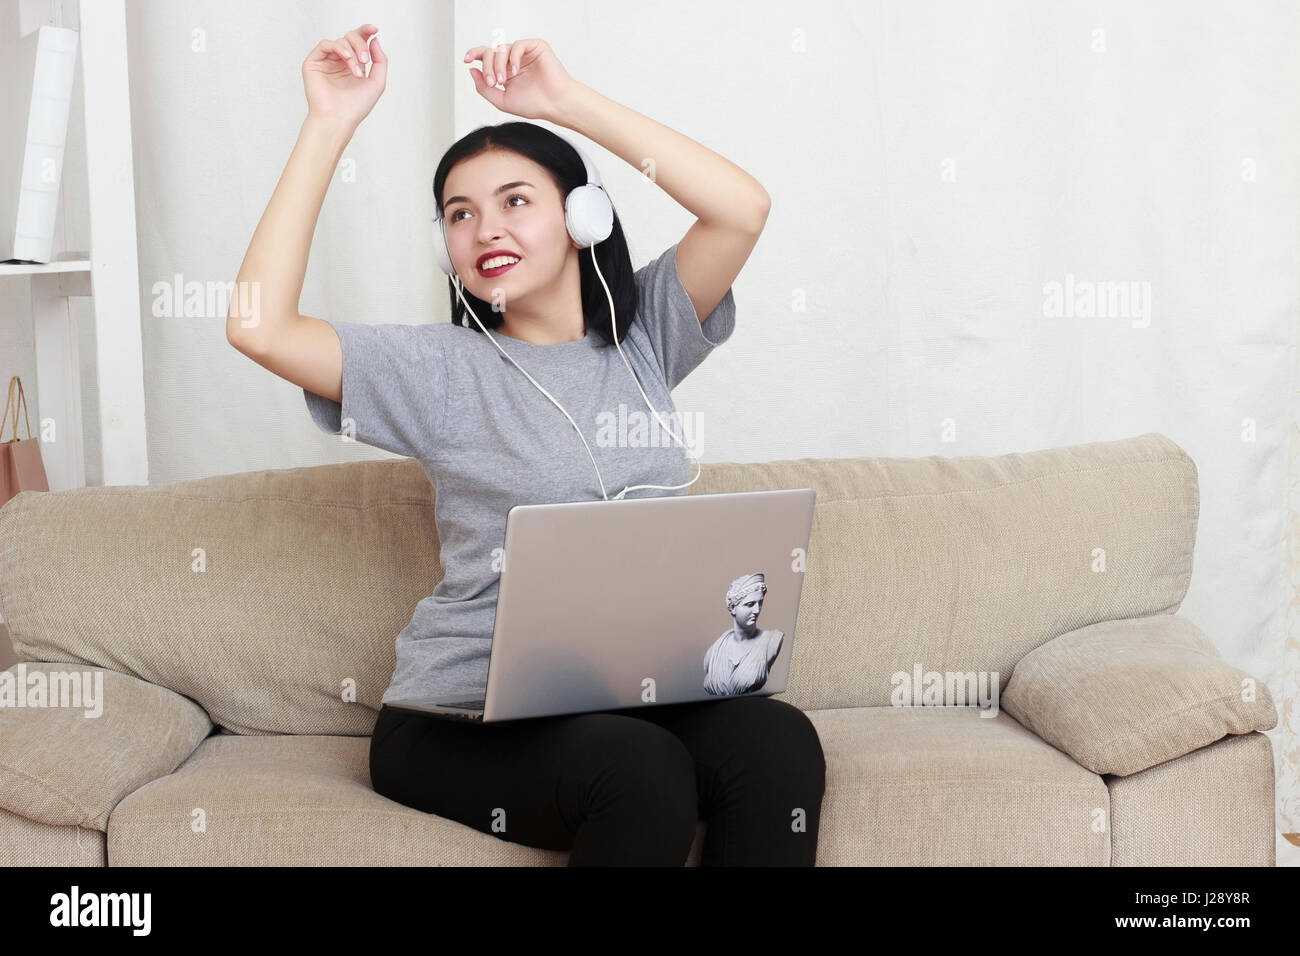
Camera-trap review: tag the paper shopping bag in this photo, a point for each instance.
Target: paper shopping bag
(21, 467)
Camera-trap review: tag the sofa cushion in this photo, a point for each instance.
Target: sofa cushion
(914, 785)
(966, 563)
(1122, 696)
(300, 800)
(25, 842)
(272, 598)
(60, 765)
(944, 786)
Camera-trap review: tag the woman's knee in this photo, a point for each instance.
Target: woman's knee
(386, 767)
(640, 765)
(393, 757)
(775, 733)
(631, 795)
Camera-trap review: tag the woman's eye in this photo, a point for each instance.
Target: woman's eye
(513, 196)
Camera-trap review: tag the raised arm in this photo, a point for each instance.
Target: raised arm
(731, 206)
(302, 349)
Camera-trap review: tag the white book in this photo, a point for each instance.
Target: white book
(36, 75)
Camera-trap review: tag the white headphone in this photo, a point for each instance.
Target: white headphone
(589, 216)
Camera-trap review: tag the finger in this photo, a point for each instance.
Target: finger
(489, 93)
(379, 61)
(474, 53)
(489, 61)
(517, 52)
(499, 57)
(358, 44)
(322, 51)
(378, 57)
(345, 53)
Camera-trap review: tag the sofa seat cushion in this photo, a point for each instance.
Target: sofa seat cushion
(943, 786)
(295, 801)
(904, 785)
(25, 842)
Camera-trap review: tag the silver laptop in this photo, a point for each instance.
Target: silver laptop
(608, 605)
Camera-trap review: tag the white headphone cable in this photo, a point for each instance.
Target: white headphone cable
(613, 324)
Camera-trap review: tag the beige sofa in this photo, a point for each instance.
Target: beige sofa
(243, 627)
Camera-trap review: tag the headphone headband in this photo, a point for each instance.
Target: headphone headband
(593, 177)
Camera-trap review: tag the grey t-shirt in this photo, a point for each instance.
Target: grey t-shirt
(489, 439)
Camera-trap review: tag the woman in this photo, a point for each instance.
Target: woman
(613, 787)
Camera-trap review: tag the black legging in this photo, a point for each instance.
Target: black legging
(619, 787)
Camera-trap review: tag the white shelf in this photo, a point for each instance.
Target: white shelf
(107, 273)
(69, 262)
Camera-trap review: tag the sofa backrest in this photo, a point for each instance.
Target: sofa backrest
(965, 564)
(273, 598)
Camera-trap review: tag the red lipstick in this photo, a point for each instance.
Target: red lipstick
(500, 270)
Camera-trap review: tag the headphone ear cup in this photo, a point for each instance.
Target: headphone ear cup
(440, 253)
(589, 215)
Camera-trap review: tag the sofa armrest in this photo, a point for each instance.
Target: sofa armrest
(76, 739)
(1122, 696)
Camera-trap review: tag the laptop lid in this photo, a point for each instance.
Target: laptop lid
(609, 605)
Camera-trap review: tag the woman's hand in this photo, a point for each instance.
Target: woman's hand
(334, 75)
(535, 82)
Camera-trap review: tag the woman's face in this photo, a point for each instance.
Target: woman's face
(500, 200)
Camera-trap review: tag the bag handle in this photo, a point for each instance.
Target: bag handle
(21, 399)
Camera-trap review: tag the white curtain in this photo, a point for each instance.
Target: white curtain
(938, 169)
